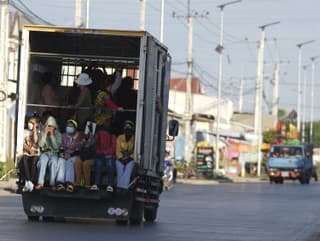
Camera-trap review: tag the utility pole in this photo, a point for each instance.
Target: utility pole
(259, 91)
(313, 66)
(142, 14)
(219, 50)
(87, 13)
(161, 21)
(304, 102)
(188, 103)
(78, 14)
(275, 84)
(241, 95)
(4, 55)
(300, 45)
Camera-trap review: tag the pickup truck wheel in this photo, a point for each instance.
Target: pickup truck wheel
(150, 214)
(270, 180)
(281, 181)
(33, 218)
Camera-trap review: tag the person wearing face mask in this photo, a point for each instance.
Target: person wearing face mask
(31, 153)
(125, 155)
(72, 142)
(49, 142)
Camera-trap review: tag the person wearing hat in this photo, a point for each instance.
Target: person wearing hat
(49, 142)
(72, 142)
(84, 100)
(125, 155)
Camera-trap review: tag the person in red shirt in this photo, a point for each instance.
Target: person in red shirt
(106, 153)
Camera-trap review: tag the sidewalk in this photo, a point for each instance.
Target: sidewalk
(8, 186)
(221, 180)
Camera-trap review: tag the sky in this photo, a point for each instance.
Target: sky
(299, 22)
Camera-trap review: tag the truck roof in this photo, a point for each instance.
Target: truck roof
(85, 30)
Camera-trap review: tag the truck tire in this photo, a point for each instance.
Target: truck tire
(270, 180)
(150, 214)
(48, 219)
(121, 222)
(33, 218)
(136, 213)
(281, 181)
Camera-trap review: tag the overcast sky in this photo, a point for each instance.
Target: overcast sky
(300, 22)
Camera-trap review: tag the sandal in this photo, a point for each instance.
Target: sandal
(70, 188)
(60, 187)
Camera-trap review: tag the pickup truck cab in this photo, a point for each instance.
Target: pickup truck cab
(290, 162)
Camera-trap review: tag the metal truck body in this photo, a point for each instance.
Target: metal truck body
(65, 51)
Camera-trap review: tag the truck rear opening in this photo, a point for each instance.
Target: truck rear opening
(67, 52)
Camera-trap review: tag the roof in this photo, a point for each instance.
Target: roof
(179, 84)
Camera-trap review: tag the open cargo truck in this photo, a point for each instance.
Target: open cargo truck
(66, 52)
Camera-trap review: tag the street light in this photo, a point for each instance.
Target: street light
(219, 49)
(300, 45)
(313, 66)
(304, 102)
(259, 90)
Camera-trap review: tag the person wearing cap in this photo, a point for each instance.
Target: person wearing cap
(49, 142)
(84, 100)
(72, 142)
(125, 155)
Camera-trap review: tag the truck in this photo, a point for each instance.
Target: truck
(292, 162)
(67, 52)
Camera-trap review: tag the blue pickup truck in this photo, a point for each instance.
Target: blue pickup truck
(290, 162)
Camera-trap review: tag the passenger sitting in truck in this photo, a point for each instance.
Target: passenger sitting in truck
(104, 105)
(31, 153)
(125, 156)
(49, 142)
(72, 142)
(86, 160)
(105, 144)
(84, 101)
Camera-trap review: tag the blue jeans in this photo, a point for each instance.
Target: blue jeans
(102, 161)
(69, 174)
(56, 168)
(124, 173)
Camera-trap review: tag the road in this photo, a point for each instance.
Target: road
(228, 212)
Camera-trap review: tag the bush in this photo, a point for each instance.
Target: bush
(7, 166)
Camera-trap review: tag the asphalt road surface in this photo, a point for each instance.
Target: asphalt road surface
(230, 212)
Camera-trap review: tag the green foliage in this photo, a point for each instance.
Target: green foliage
(7, 166)
(269, 136)
(2, 171)
(282, 114)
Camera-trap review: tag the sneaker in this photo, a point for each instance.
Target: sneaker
(109, 189)
(25, 188)
(69, 188)
(30, 186)
(94, 187)
(60, 187)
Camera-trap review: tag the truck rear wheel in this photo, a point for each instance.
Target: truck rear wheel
(33, 218)
(136, 213)
(150, 214)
